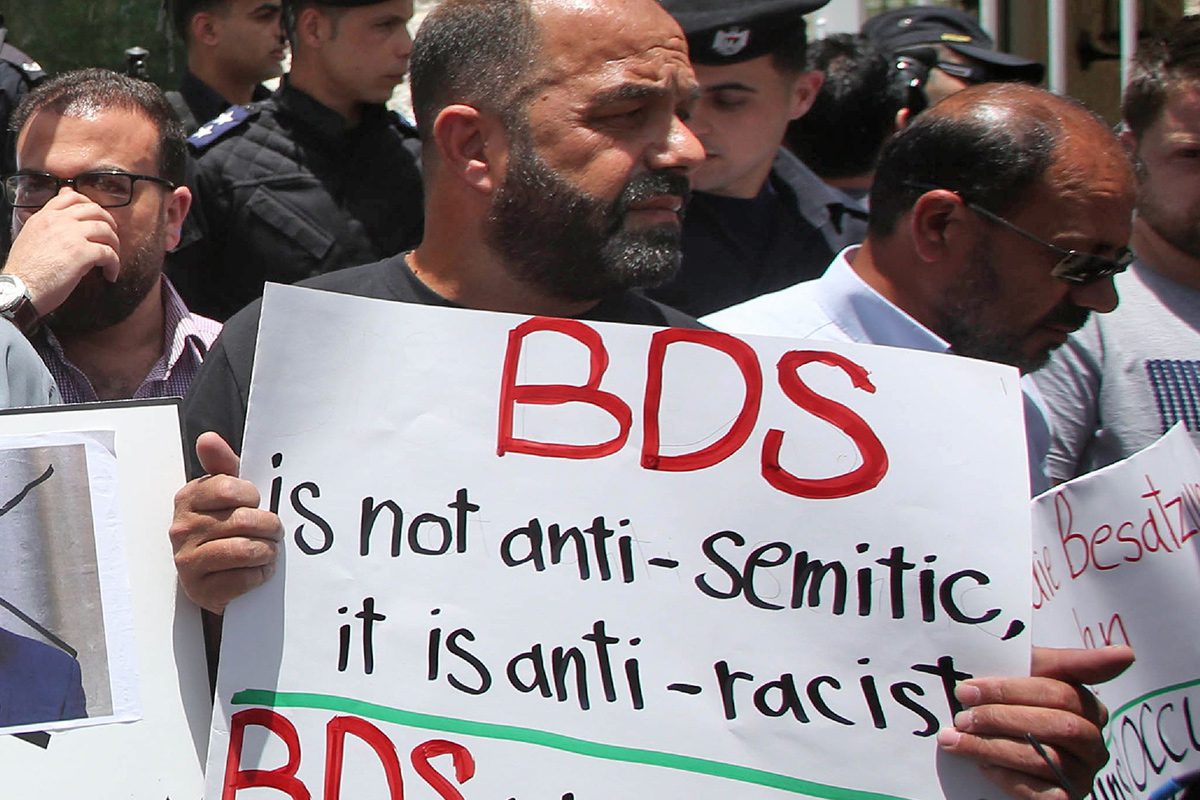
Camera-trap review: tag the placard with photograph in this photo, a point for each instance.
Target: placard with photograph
(103, 679)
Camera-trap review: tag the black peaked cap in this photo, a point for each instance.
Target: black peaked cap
(730, 31)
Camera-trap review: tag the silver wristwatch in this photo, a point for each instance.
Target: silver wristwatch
(16, 304)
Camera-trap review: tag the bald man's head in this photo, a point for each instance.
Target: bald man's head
(998, 219)
(993, 143)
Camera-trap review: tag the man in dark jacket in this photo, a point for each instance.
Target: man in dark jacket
(319, 177)
(760, 220)
(232, 47)
(18, 74)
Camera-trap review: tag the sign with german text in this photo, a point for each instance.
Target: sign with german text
(540, 559)
(1116, 560)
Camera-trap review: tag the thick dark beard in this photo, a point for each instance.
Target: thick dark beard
(960, 318)
(568, 245)
(96, 304)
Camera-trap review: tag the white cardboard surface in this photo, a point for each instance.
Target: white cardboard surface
(1117, 561)
(160, 755)
(355, 398)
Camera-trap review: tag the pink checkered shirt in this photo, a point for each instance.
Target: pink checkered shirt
(186, 338)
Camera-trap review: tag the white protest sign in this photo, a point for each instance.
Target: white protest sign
(141, 652)
(531, 558)
(1116, 560)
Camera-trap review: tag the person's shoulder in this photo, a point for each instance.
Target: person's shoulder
(1143, 285)
(17, 649)
(788, 169)
(634, 308)
(22, 64)
(781, 313)
(810, 190)
(24, 379)
(239, 334)
(367, 280)
(674, 318)
(230, 123)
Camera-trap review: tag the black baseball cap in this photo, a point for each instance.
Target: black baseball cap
(924, 26)
(727, 32)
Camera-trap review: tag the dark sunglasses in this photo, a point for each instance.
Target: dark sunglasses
(1073, 266)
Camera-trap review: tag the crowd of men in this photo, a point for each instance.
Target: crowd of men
(910, 186)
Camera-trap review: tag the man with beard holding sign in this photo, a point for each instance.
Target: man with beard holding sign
(553, 190)
(557, 164)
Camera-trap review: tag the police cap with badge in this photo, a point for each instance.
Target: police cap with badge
(910, 35)
(723, 32)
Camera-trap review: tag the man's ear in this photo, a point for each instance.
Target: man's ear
(804, 93)
(204, 29)
(309, 24)
(1131, 145)
(175, 209)
(472, 145)
(937, 225)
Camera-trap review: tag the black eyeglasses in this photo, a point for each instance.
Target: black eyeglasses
(1072, 267)
(105, 188)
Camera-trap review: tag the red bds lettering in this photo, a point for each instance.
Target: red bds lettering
(464, 766)
(747, 362)
(335, 745)
(874, 457)
(283, 778)
(1065, 519)
(556, 394)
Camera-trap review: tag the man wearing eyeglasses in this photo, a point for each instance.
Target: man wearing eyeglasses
(1124, 380)
(98, 201)
(938, 51)
(998, 219)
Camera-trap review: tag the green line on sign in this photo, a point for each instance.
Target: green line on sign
(1139, 700)
(412, 719)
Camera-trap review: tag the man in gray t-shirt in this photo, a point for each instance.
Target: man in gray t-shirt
(1127, 377)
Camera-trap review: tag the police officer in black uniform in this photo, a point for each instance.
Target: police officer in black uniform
(232, 46)
(759, 220)
(319, 177)
(936, 52)
(18, 74)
